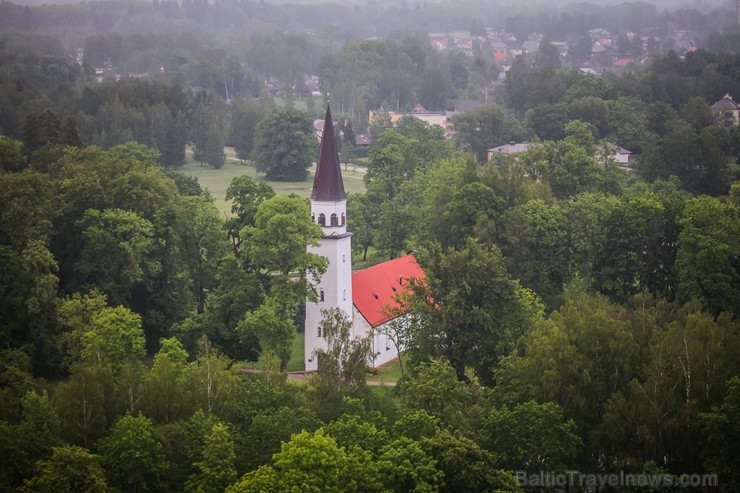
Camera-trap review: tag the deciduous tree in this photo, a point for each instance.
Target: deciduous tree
(284, 145)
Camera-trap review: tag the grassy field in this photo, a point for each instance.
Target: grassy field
(217, 181)
(296, 355)
(389, 372)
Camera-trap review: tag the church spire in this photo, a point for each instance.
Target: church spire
(327, 184)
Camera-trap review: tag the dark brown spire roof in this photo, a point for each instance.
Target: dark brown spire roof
(327, 184)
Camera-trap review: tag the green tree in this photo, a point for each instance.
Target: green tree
(354, 431)
(547, 56)
(70, 469)
(722, 428)
(272, 427)
(74, 316)
(82, 401)
(315, 463)
(569, 166)
(214, 381)
(533, 244)
(245, 117)
(277, 242)
(343, 365)
(132, 456)
(28, 438)
(284, 145)
(531, 435)
(207, 133)
(696, 112)
(28, 283)
(465, 465)
(577, 358)
(585, 226)
(115, 255)
(435, 88)
(246, 195)
(360, 215)
(114, 336)
(166, 383)
(627, 123)
(406, 467)
(485, 127)
(11, 155)
(592, 110)
(29, 274)
(273, 327)
(706, 261)
(547, 121)
(215, 469)
(686, 364)
(203, 243)
(467, 308)
(473, 207)
(435, 389)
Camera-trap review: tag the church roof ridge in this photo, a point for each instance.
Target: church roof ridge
(327, 184)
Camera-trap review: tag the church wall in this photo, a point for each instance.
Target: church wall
(335, 286)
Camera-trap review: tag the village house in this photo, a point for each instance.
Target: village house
(440, 118)
(726, 111)
(606, 150)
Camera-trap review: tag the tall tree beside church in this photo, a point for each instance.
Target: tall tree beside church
(343, 365)
(468, 309)
(284, 145)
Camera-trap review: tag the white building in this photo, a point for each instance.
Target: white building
(368, 304)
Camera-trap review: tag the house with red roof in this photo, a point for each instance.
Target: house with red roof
(375, 292)
(367, 297)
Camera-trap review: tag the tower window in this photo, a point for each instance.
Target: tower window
(344, 219)
(319, 331)
(322, 219)
(334, 220)
(321, 295)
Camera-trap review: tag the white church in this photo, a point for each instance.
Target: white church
(365, 296)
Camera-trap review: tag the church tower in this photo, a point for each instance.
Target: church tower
(329, 210)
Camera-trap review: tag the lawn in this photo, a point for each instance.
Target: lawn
(389, 372)
(217, 181)
(295, 363)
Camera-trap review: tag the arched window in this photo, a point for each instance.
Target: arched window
(322, 219)
(321, 295)
(334, 220)
(344, 219)
(319, 331)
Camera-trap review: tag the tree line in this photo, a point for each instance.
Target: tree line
(559, 290)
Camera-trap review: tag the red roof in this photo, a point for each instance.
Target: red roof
(374, 289)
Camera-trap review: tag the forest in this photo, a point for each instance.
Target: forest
(575, 315)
